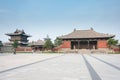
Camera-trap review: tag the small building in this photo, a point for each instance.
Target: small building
(7, 48)
(37, 45)
(20, 36)
(85, 39)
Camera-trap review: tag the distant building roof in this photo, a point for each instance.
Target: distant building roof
(85, 34)
(18, 32)
(37, 43)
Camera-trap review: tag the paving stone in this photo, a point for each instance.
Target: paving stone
(59, 67)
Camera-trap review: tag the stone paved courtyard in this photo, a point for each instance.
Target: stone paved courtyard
(60, 67)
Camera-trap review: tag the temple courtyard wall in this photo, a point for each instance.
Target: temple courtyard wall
(9, 49)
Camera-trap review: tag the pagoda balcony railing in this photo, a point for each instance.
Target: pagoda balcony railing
(14, 39)
(24, 40)
(18, 40)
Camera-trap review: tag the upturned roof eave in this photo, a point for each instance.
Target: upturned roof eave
(80, 34)
(86, 37)
(11, 34)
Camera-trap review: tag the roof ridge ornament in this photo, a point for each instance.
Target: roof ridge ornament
(91, 28)
(16, 31)
(74, 30)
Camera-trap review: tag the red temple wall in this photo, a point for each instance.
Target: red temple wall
(66, 44)
(24, 49)
(102, 44)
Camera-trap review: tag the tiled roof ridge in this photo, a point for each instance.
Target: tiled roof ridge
(89, 33)
(18, 32)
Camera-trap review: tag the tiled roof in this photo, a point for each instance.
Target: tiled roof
(39, 42)
(18, 32)
(85, 34)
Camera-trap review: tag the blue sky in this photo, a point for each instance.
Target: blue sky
(58, 17)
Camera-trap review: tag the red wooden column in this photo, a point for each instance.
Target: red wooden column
(88, 44)
(78, 44)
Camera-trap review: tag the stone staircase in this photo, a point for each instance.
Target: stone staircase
(87, 51)
(81, 51)
(84, 51)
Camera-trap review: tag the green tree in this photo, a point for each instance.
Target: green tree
(58, 42)
(112, 42)
(1, 45)
(48, 44)
(15, 45)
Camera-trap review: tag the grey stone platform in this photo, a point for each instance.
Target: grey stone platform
(60, 67)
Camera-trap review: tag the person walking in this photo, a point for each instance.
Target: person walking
(14, 51)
